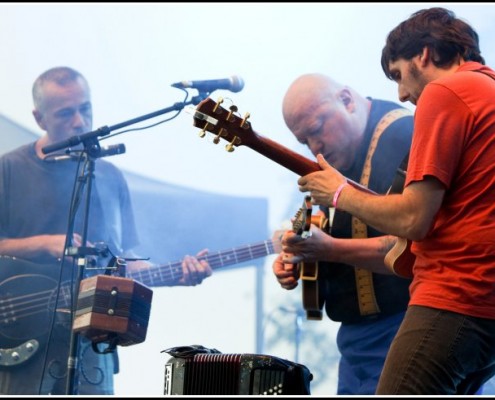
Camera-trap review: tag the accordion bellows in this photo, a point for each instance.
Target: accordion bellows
(209, 372)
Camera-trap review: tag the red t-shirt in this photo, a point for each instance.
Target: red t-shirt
(454, 141)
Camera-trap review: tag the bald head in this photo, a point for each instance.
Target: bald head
(327, 116)
(307, 92)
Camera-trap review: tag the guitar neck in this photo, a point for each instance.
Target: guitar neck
(170, 273)
(290, 159)
(284, 156)
(210, 116)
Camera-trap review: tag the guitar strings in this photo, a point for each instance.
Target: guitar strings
(13, 309)
(158, 276)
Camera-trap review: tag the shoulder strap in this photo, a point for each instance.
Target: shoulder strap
(400, 177)
(364, 278)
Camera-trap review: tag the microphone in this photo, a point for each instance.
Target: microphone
(54, 158)
(104, 152)
(234, 84)
(112, 150)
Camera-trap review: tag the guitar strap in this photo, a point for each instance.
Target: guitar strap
(364, 278)
(400, 177)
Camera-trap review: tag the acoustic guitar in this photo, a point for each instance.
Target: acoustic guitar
(210, 116)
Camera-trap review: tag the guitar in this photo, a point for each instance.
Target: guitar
(400, 259)
(27, 298)
(313, 299)
(209, 116)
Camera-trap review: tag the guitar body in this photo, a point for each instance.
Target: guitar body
(27, 300)
(400, 259)
(28, 292)
(20, 323)
(311, 298)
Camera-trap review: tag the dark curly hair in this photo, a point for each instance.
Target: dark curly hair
(436, 28)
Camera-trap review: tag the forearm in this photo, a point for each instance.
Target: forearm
(408, 215)
(33, 247)
(385, 213)
(367, 253)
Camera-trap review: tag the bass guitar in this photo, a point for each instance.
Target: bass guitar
(29, 291)
(210, 116)
(313, 297)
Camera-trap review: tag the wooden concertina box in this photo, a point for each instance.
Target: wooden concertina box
(111, 308)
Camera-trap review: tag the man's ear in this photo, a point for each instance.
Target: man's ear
(39, 119)
(424, 57)
(345, 96)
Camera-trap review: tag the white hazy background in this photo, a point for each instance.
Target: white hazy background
(131, 53)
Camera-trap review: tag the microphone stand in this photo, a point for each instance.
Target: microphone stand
(105, 130)
(92, 149)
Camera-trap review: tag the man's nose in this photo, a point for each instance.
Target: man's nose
(315, 145)
(78, 120)
(403, 94)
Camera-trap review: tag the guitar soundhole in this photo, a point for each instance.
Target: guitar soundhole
(26, 304)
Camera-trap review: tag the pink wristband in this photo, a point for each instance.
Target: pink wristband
(337, 193)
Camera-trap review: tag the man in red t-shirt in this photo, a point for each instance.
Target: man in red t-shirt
(446, 342)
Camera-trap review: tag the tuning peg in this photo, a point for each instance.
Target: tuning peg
(233, 109)
(230, 147)
(202, 132)
(219, 101)
(216, 139)
(244, 120)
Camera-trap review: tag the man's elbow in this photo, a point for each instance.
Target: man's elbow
(417, 231)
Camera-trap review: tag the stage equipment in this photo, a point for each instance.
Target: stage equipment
(196, 370)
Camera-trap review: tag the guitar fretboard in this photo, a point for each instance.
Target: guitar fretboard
(169, 273)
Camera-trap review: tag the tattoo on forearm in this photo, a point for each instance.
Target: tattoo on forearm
(387, 242)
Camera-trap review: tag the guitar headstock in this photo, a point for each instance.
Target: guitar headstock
(301, 224)
(210, 116)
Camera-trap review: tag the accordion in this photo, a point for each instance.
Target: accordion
(199, 371)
